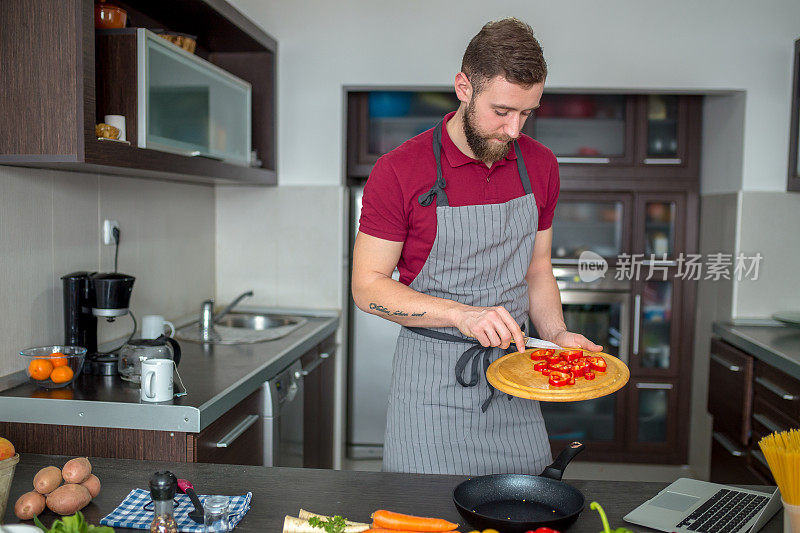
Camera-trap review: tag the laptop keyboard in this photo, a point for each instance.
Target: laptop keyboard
(725, 512)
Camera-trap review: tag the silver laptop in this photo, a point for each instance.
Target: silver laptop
(693, 506)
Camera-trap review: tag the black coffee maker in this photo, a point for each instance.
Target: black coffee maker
(87, 297)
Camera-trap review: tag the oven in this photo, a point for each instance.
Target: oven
(599, 310)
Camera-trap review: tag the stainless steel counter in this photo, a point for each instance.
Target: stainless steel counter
(217, 377)
(776, 344)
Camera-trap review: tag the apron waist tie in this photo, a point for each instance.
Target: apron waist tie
(476, 354)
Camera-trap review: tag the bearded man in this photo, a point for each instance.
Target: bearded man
(464, 212)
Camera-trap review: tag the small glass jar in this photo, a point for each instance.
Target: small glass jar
(215, 513)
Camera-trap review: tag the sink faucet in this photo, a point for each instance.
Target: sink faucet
(207, 318)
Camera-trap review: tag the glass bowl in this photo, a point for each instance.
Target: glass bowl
(53, 367)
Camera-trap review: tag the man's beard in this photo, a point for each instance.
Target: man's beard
(480, 144)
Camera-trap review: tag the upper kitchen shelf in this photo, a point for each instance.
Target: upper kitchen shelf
(63, 77)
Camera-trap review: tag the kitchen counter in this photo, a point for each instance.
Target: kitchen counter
(776, 344)
(284, 491)
(217, 377)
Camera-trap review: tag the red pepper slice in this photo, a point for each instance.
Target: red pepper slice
(578, 370)
(542, 353)
(546, 371)
(598, 363)
(541, 365)
(571, 355)
(588, 375)
(553, 358)
(559, 379)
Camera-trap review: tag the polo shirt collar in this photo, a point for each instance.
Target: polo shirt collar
(456, 157)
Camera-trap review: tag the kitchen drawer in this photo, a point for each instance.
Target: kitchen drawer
(730, 462)
(237, 437)
(778, 389)
(758, 463)
(730, 390)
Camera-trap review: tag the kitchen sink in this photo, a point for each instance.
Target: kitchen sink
(243, 328)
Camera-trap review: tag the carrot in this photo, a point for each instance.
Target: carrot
(404, 522)
(379, 530)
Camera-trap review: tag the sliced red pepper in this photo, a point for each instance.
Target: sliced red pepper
(571, 355)
(545, 371)
(543, 530)
(588, 375)
(553, 358)
(541, 365)
(571, 380)
(598, 363)
(561, 366)
(559, 379)
(542, 353)
(578, 370)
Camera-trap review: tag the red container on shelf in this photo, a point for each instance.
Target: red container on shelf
(108, 16)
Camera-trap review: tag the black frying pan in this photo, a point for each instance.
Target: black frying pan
(516, 503)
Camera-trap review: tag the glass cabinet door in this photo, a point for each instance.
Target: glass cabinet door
(590, 222)
(656, 329)
(585, 128)
(660, 228)
(189, 106)
(664, 120)
(654, 413)
(586, 421)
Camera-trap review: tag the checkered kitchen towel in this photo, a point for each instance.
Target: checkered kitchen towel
(136, 511)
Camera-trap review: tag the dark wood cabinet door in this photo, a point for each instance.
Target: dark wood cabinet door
(237, 437)
(318, 404)
(730, 392)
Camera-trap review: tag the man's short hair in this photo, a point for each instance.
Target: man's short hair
(505, 48)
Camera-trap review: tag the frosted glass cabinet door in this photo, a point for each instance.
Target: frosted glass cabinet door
(190, 106)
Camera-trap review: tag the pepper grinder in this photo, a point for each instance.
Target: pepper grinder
(162, 489)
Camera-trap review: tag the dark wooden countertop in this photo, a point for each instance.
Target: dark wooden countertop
(355, 495)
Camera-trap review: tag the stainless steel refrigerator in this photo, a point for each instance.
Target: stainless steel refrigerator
(372, 342)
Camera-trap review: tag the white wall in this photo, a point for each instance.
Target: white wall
(50, 226)
(631, 44)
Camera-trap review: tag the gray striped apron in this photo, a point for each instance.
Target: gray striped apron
(439, 424)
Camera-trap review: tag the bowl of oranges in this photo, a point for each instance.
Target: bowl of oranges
(53, 367)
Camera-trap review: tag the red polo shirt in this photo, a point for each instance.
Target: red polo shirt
(390, 205)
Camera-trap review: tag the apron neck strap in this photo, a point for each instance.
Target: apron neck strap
(437, 190)
(523, 171)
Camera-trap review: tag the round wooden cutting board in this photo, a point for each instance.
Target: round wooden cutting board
(514, 375)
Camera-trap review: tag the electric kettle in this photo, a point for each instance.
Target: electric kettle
(154, 344)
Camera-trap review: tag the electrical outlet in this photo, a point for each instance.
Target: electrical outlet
(108, 231)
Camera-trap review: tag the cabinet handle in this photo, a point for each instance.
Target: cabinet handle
(727, 444)
(584, 160)
(654, 386)
(234, 434)
(637, 309)
(776, 390)
(662, 161)
(760, 458)
(727, 364)
(767, 423)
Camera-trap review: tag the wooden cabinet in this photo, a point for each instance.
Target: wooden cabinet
(50, 51)
(237, 437)
(748, 399)
(319, 370)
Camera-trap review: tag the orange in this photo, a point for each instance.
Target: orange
(58, 359)
(61, 374)
(40, 369)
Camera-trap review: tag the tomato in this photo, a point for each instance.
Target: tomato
(588, 375)
(598, 363)
(542, 353)
(559, 379)
(541, 365)
(571, 355)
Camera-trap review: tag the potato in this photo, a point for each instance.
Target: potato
(92, 484)
(77, 470)
(68, 498)
(47, 479)
(29, 505)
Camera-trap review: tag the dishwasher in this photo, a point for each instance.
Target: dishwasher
(283, 418)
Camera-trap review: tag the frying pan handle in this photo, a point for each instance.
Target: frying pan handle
(556, 470)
